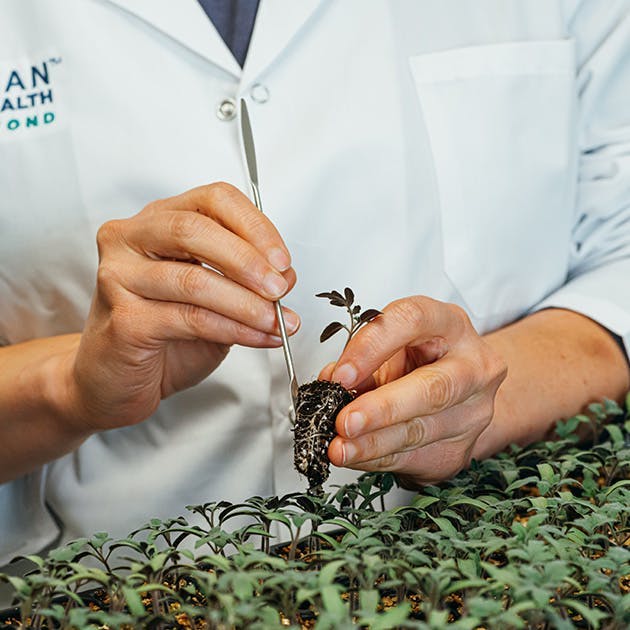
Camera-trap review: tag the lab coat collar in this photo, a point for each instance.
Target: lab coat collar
(277, 23)
(186, 22)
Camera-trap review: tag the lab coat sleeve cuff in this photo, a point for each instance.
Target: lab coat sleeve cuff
(600, 294)
(26, 526)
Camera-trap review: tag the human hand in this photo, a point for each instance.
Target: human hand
(426, 383)
(159, 321)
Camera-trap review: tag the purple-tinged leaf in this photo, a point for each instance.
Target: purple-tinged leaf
(336, 299)
(349, 296)
(369, 315)
(330, 330)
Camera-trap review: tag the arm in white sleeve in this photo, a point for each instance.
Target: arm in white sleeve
(598, 284)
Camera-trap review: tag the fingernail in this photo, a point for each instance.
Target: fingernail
(354, 424)
(279, 259)
(349, 452)
(291, 320)
(275, 284)
(345, 374)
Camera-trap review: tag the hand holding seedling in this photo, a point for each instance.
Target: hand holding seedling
(426, 383)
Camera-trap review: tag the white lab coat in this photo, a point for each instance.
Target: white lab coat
(477, 151)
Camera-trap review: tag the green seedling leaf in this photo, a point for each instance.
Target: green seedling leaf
(344, 525)
(392, 617)
(329, 572)
(592, 615)
(546, 472)
(369, 600)
(423, 501)
(615, 434)
(445, 526)
(332, 601)
(134, 601)
(623, 483)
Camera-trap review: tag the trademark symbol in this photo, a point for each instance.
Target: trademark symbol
(55, 60)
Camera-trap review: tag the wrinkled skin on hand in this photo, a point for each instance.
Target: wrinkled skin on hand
(160, 321)
(427, 384)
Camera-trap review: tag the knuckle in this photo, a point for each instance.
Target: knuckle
(193, 318)
(192, 280)
(414, 433)
(248, 261)
(154, 206)
(108, 234)
(410, 311)
(458, 311)
(183, 226)
(223, 188)
(460, 318)
(387, 462)
(439, 389)
(220, 192)
(107, 278)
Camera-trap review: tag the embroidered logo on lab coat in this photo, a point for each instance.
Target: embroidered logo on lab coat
(29, 96)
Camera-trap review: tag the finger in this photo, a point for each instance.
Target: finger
(229, 207)
(425, 391)
(193, 284)
(430, 464)
(366, 385)
(190, 235)
(408, 322)
(467, 420)
(157, 322)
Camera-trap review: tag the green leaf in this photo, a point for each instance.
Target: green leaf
(345, 525)
(592, 615)
(519, 483)
(445, 526)
(622, 483)
(369, 600)
(424, 501)
(478, 503)
(392, 617)
(546, 472)
(242, 586)
(615, 433)
(134, 601)
(332, 601)
(329, 572)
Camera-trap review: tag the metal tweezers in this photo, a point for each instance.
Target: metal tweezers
(250, 155)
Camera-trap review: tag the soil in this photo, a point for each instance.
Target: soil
(318, 404)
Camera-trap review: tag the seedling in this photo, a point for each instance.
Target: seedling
(533, 538)
(319, 402)
(357, 318)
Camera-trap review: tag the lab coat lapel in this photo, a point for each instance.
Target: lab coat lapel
(277, 23)
(186, 22)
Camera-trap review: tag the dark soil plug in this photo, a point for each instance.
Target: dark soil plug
(318, 404)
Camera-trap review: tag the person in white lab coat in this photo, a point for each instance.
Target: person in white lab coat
(462, 165)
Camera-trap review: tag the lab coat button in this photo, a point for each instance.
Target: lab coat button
(259, 93)
(226, 109)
